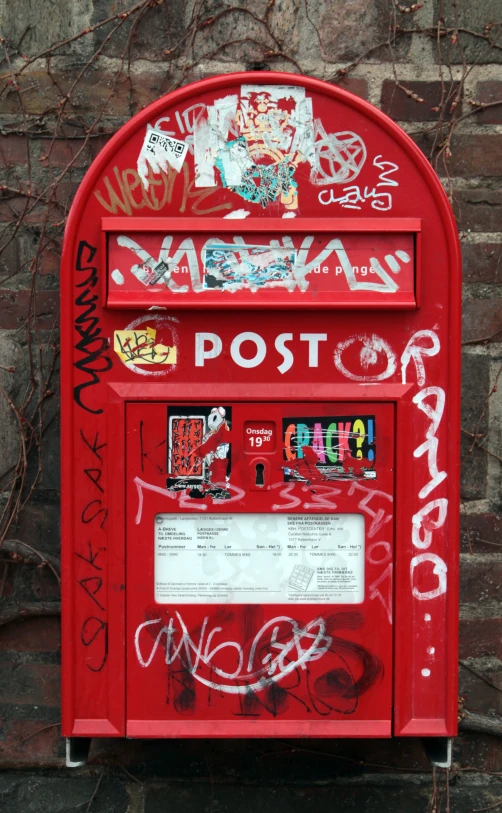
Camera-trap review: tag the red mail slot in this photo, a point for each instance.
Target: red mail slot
(242, 264)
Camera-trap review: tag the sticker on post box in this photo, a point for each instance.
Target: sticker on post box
(259, 558)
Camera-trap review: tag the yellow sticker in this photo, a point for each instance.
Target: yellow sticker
(138, 347)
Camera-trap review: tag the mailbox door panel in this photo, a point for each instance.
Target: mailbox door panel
(259, 556)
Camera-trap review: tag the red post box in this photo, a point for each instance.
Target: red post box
(260, 394)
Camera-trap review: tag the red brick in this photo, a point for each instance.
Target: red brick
(476, 155)
(9, 257)
(62, 153)
(45, 585)
(479, 209)
(74, 151)
(482, 531)
(488, 92)
(65, 192)
(14, 150)
(32, 635)
(482, 320)
(24, 743)
(471, 155)
(480, 581)
(357, 86)
(475, 390)
(50, 261)
(40, 94)
(479, 752)
(479, 695)
(34, 211)
(482, 262)
(96, 144)
(41, 521)
(16, 306)
(36, 684)
(14, 207)
(399, 106)
(480, 637)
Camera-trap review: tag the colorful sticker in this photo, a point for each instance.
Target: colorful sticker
(198, 450)
(256, 183)
(256, 141)
(237, 266)
(329, 448)
(139, 347)
(272, 132)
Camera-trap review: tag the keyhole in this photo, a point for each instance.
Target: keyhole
(260, 479)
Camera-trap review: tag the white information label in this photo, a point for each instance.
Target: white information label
(259, 558)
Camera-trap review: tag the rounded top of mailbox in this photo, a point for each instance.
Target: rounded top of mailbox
(266, 145)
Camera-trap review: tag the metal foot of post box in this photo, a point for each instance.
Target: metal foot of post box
(438, 750)
(77, 751)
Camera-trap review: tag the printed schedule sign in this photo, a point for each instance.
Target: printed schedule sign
(259, 558)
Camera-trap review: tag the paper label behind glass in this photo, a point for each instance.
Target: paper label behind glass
(259, 558)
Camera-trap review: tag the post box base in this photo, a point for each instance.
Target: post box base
(438, 750)
(77, 751)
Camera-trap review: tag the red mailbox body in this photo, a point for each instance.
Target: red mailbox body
(260, 394)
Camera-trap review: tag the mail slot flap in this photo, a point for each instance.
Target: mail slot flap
(222, 263)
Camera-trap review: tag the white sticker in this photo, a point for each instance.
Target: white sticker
(159, 151)
(117, 277)
(259, 558)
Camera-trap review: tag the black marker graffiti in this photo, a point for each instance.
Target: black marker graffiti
(92, 585)
(93, 510)
(149, 453)
(91, 558)
(94, 630)
(286, 662)
(91, 343)
(95, 476)
(95, 446)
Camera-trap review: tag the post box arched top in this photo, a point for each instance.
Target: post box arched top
(301, 147)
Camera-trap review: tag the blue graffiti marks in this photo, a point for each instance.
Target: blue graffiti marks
(231, 266)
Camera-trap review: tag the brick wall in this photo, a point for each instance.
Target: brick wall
(39, 175)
